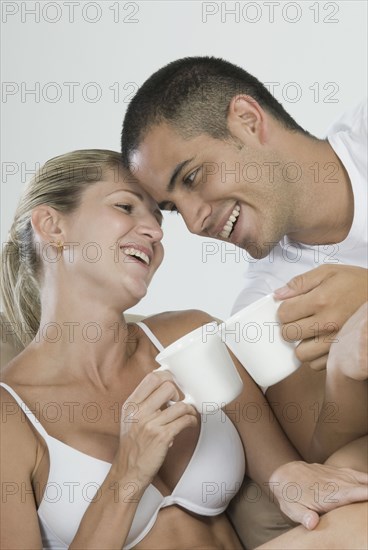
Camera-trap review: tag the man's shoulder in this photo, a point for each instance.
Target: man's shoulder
(353, 120)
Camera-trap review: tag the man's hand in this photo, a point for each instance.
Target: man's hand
(304, 491)
(317, 304)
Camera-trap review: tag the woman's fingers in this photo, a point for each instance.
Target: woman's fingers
(152, 382)
(183, 419)
(175, 411)
(146, 438)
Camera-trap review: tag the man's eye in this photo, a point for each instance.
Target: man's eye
(189, 180)
(168, 207)
(125, 207)
(172, 208)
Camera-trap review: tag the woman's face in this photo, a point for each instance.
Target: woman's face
(113, 240)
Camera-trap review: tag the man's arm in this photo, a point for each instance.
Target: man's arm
(276, 466)
(346, 388)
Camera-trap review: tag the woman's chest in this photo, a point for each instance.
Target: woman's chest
(88, 433)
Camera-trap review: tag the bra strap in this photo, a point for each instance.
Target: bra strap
(27, 411)
(150, 335)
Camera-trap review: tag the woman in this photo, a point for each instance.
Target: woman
(93, 456)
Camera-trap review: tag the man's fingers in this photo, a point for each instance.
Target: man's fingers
(302, 283)
(310, 520)
(296, 308)
(300, 514)
(360, 477)
(311, 349)
(310, 328)
(320, 363)
(359, 493)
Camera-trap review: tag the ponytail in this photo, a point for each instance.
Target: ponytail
(59, 183)
(19, 289)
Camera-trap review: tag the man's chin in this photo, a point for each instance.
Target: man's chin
(255, 250)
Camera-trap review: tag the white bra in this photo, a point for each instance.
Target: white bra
(212, 477)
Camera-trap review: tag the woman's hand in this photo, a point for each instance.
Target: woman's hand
(148, 427)
(306, 490)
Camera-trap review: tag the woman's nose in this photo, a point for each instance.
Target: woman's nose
(152, 228)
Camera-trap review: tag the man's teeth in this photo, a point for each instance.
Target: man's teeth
(138, 254)
(228, 227)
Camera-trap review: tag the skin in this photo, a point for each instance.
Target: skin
(354, 515)
(249, 169)
(115, 370)
(208, 187)
(346, 383)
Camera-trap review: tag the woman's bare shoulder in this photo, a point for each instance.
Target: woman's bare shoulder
(171, 325)
(18, 438)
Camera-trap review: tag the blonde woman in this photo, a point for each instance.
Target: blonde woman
(91, 455)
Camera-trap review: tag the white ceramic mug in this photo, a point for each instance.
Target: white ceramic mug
(254, 335)
(202, 368)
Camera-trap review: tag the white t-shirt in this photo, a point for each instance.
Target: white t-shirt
(348, 137)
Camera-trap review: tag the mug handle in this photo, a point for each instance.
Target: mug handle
(162, 368)
(187, 399)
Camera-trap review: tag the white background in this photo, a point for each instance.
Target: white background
(313, 53)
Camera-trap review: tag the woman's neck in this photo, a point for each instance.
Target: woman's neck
(86, 339)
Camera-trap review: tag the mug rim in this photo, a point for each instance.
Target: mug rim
(185, 340)
(254, 306)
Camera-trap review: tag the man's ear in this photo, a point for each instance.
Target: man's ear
(47, 224)
(246, 119)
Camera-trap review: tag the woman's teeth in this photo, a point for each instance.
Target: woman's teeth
(138, 254)
(229, 225)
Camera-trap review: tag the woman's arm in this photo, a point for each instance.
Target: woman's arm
(18, 459)
(266, 445)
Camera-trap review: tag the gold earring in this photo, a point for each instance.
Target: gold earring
(59, 245)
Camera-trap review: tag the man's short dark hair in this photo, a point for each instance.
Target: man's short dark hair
(193, 95)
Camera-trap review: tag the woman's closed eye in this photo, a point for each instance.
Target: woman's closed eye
(128, 208)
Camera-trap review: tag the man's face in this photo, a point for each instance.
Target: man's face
(224, 189)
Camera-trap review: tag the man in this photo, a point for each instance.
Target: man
(207, 139)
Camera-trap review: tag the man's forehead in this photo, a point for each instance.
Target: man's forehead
(161, 140)
(157, 153)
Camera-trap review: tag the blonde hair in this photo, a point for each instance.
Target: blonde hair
(59, 183)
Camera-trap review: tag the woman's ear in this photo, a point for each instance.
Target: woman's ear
(247, 120)
(47, 224)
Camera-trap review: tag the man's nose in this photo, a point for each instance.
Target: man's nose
(195, 213)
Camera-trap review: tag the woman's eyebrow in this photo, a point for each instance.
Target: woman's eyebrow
(139, 195)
